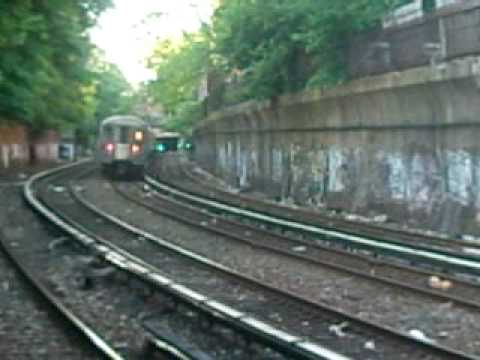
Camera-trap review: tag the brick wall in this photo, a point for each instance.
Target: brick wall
(46, 146)
(15, 146)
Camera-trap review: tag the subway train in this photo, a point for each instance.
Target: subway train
(169, 141)
(166, 141)
(123, 146)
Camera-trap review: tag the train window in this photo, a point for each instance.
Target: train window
(108, 132)
(124, 131)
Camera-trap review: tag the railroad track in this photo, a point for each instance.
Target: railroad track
(97, 345)
(383, 279)
(356, 325)
(65, 334)
(441, 259)
(140, 340)
(117, 243)
(402, 277)
(354, 227)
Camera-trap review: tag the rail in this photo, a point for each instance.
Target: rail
(260, 331)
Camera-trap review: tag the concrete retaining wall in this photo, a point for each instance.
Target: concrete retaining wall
(449, 32)
(402, 144)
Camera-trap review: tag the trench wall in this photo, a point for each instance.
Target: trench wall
(404, 144)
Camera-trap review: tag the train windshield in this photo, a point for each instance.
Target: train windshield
(124, 131)
(108, 132)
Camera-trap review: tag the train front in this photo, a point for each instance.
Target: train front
(124, 144)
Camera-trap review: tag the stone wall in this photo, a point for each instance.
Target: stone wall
(402, 144)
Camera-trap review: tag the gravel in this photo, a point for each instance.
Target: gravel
(147, 303)
(27, 329)
(345, 295)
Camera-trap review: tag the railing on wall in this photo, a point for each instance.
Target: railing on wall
(411, 37)
(427, 39)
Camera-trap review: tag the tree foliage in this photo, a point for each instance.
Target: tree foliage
(113, 94)
(283, 46)
(44, 80)
(263, 48)
(180, 67)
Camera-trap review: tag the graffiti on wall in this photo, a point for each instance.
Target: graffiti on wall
(397, 179)
(277, 165)
(222, 159)
(318, 186)
(418, 177)
(460, 175)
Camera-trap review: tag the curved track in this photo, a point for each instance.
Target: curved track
(122, 254)
(103, 349)
(71, 323)
(403, 278)
(398, 278)
(440, 258)
(354, 227)
(352, 320)
(163, 264)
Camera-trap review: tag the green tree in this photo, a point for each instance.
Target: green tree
(108, 93)
(264, 48)
(180, 68)
(44, 81)
(283, 46)
(113, 94)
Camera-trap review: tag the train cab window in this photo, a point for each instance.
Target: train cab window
(124, 131)
(108, 132)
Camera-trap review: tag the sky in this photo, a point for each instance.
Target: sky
(127, 33)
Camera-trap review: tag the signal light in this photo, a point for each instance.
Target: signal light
(135, 148)
(110, 147)
(160, 147)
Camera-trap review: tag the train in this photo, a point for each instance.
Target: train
(124, 145)
(166, 141)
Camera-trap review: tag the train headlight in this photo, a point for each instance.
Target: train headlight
(109, 147)
(135, 149)
(138, 136)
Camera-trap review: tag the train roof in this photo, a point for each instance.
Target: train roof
(158, 133)
(125, 120)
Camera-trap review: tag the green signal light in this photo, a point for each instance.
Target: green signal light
(161, 147)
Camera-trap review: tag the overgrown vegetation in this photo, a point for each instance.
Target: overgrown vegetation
(47, 76)
(113, 93)
(252, 49)
(261, 49)
(180, 68)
